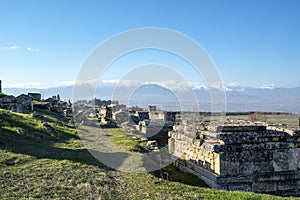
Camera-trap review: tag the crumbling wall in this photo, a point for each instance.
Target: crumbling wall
(35, 96)
(25, 102)
(238, 157)
(120, 116)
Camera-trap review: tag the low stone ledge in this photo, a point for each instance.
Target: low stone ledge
(236, 128)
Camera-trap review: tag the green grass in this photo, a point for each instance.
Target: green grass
(38, 164)
(124, 141)
(2, 94)
(291, 120)
(145, 186)
(48, 178)
(183, 177)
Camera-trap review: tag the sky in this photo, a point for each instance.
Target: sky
(252, 42)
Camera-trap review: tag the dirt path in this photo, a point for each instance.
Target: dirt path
(96, 140)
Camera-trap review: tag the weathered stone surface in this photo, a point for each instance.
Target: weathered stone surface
(247, 157)
(236, 128)
(264, 186)
(35, 96)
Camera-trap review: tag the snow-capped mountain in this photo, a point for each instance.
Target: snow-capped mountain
(170, 95)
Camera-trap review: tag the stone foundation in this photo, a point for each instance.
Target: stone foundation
(238, 157)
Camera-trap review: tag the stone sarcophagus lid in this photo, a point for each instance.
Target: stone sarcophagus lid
(244, 157)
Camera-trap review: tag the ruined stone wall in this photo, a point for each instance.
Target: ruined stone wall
(234, 157)
(25, 102)
(35, 96)
(157, 115)
(120, 116)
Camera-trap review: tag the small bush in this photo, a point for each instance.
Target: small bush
(256, 117)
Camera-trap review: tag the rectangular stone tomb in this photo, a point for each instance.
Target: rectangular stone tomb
(246, 157)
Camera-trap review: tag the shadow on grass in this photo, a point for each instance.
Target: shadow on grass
(108, 126)
(41, 148)
(37, 142)
(30, 130)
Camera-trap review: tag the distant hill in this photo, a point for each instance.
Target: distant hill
(238, 98)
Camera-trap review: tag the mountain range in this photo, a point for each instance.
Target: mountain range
(238, 99)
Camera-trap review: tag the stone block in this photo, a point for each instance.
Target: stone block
(264, 187)
(239, 128)
(239, 157)
(263, 167)
(285, 160)
(240, 187)
(246, 168)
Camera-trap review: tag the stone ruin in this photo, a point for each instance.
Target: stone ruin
(35, 96)
(113, 114)
(155, 124)
(245, 157)
(17, 104)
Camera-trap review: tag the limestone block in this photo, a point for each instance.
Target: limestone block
(190, 165)
(240, 157)
(216, 163)
(263, 167)
(239, 128)
(206, 165)
(288, 185)
(230, 168)
(171, 144)
(297, 150)
(246, 168)
(240, 187)
(285, 160)
(264, 187)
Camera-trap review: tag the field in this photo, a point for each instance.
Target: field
(284, 118)
(42, 164)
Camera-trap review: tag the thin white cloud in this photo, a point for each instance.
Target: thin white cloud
(24, 85)
(14, 47)
(32, 49)
(10, 47)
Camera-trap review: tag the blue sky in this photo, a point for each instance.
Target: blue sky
(254, 43)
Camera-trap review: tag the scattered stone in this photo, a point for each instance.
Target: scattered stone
(152, 143)
(143, 139)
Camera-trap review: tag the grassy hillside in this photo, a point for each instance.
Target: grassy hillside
(39, 163)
